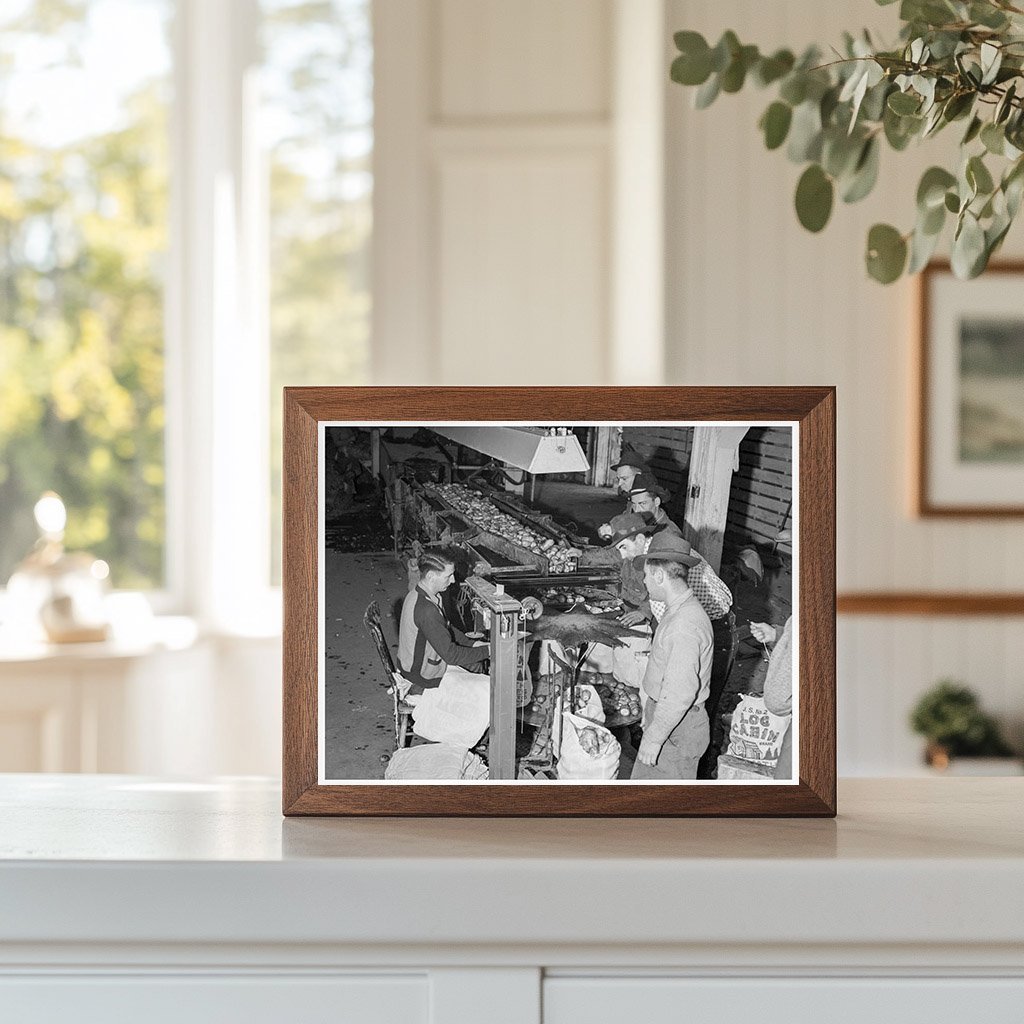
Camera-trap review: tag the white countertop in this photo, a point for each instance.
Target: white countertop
(125, 859)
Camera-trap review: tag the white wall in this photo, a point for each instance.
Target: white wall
(753, 298)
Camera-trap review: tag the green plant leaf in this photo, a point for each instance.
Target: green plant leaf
(900, 130)
(973, 130)
(958, 105)
(987, 15)
(775, 124)
(725, 49)
(903, 103)
(952, 202)
(1013, 187)
(991, 60)
(993, 138)
(805, 133)
(968, 247)
(735, 74)
(922, 247)
(865, 173)
(978, 176)
(839, 151)
(932, 221)
(771, 69)
(693, 65)
(707, 93)
(794, 88)
(814, 194)
(931, 191)
(887, 253)
(1004, 106)
(873, 107)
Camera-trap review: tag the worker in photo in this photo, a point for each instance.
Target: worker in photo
(677, 680)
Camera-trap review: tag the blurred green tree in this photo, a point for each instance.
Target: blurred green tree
(82, 232)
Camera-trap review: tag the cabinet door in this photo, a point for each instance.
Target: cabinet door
(206, 999)
(569, 1000)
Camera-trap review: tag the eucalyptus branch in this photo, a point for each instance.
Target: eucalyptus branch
(833, 117)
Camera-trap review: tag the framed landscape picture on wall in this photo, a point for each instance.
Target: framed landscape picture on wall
(970, 445)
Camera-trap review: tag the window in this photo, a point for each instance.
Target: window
(83, 236)
(185, 220)
(317, 116)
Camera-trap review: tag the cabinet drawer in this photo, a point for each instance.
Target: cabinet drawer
(569, 1000)
(205, 999)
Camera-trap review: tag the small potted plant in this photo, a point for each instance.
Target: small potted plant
(950, 718)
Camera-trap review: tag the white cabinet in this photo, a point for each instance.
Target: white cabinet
(824, 1000)
(204, 999)
(132, 898)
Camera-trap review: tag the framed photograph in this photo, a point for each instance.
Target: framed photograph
(970, 444)
(559, 601)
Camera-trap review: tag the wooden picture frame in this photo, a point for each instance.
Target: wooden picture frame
(811, 412)
(954, 474)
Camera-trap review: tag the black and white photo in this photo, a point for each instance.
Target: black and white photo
(549, 602)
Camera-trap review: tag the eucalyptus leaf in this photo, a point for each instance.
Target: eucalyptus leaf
(968, 247)
(693, 65)
(904, 103)
(735, 74)
(922, 248)
(814, 195)
(987, 15)
(794, 88)
(978, 176)
(931, 190)
(932, 221)
(1005, 105)
(873, 106)
(886, 253)
(958, 105)
(775, 123)
(991, 60)
(724, 51)
(840, 152)
(707, 93)
(952, 202)
(805, 133)
(771, 69)
(993, 138)
(973, 129)
(865, 173)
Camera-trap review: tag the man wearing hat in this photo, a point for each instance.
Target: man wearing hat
(677, 679)
(631, 533)
(646, 497)
(626, 470)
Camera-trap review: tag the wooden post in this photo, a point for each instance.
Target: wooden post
(707, 491)
(375, 451)
(603, 453)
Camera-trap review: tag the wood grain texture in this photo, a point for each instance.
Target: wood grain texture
(299, 597)
(812, 407)
(925, 603)
(922, 502)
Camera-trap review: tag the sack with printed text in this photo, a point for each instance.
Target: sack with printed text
(756, 734)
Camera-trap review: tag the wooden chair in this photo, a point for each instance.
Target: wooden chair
(402, 711)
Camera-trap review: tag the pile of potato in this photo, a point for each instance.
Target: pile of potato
(485, 514)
